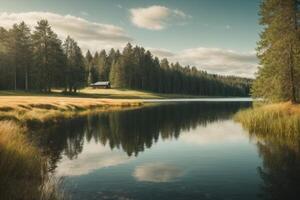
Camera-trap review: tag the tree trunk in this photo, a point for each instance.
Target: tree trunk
(26, 79)
(15, 78)
(292, 94)
(291, 61)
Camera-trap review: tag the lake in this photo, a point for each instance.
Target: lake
(187, 150)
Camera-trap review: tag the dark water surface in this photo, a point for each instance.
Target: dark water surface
(171, 151)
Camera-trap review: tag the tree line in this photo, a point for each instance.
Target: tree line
(39, 60)
(278, 78)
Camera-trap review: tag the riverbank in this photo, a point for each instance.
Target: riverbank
(278, 119)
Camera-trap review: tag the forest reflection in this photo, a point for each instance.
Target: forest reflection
(280, 170)
(132, 131)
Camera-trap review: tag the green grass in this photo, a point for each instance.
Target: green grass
(281, 119)
(101, 93)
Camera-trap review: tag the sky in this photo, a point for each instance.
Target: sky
(218, 36)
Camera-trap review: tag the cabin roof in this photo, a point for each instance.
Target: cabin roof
(100, 83)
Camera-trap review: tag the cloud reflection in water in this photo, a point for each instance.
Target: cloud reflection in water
(157, 172)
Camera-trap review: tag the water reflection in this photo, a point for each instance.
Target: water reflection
(216, 133)
(280, 171)
(94, 157)
(157, 172)
(195, 150)
(132, 131)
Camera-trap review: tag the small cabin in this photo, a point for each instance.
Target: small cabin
(101, 84)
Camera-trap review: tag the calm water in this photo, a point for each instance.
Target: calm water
(171, 151)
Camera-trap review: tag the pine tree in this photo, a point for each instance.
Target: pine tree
(102, 66)
(51, 64)
(21, 54)
(46, 47)
(75, 75)
(6, 74)
(278, 51)
(89, 65)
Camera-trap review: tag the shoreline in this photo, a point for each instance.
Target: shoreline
(28, 110)
(22, 164)
(278, 119)
(33, 108)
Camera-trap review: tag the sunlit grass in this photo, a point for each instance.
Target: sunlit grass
(276, 119)
(113, 93)
(35, 109)
(23, 169)
(21, 164)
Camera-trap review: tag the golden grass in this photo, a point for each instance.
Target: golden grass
(41, 109)
(277, 119)
(21, 164)
(23, 169)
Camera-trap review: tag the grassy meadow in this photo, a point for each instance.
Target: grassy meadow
(277, 119)
(34, 108)
(112, 93)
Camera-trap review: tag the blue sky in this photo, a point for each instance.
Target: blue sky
(215, 35)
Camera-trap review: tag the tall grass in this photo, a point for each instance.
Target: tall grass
(277, 119)
(23, 170)
(19, 163)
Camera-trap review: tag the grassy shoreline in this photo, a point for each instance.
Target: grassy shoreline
(105, 94)
(278, 119)
(22, 166)
(34, 109)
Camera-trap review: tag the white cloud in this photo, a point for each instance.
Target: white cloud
(215, 60)
(89, 35)
(93, 157)
(157, 172)
(156, 17)
(162, 53)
